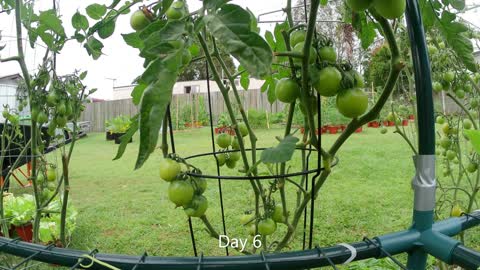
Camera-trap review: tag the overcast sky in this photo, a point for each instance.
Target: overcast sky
(120, 62)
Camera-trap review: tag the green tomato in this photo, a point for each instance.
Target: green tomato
(51, 99)
(42, 117)
(176, 10)
(451, 155)
(359, 5)
(467, 124)
(235, 156)
(446, 129)
(460, 93)
(449, 76)
(437, 87)
(61, 108)
(40, 178)
(224, 140)
(384, 130)
(472, 167)
(432, 50)
(197, 207)
(51, 186)
(231, 163)
(287, 90)
(20, 107)
(329, 82)
(359, 81)
(221, 158)
(169, 169)
(278, 214)
(201, 185)
(235, 144)
(243, 129)
(61, 121)
(267, 226)
(138, 20)
(474, 102)
(440, 120)
(328, 54)
(5, 113)
(297, 37)
(180, 193)
(445, 142)
(299, 48)
(246, 218)
(51, 174)
(390, 9)
(352, 102)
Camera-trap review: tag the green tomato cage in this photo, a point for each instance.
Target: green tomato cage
(424, 237)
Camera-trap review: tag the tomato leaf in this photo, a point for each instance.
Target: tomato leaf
(133, 40)
(153, 105)
(79, 21)
(125, 139)
(96, 11)
(106, 29)
(454, 34)
(159, 42)
(51, 21)
(137, 93)
(458, 4)
(94, 47)
(283, 152)
(231, 25)
(474, 137)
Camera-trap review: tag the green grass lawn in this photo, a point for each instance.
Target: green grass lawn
(126, 211)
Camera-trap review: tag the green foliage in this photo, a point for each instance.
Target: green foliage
(119, 124)
(19, 210)
(283, 152)
(224, 120)
(231, 25)
(257, 118)
(454, 31)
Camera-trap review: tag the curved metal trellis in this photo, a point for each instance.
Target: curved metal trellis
(424, 237)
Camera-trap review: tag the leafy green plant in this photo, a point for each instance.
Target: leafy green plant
(257, 118)
(119, 124)
(20, 210)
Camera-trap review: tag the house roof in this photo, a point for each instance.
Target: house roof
(11, 77)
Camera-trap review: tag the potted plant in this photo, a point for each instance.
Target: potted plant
(20, 211)
(119, 126)
(50, 225)
(108, 131)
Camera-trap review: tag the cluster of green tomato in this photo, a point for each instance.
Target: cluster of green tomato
(266, 225)
(184, 191)
(327, 80)
(449, 152)
(46, 188)
(60, 109)
(459, 86)
(225, 141)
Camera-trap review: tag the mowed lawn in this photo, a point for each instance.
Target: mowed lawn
(122, 210)
(127, 211)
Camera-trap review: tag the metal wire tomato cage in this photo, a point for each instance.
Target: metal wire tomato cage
(263, 177)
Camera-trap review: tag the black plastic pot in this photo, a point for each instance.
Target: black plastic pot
(118, 138)
(109, 136)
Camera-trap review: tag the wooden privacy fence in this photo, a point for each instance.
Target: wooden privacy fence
(99, 112)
